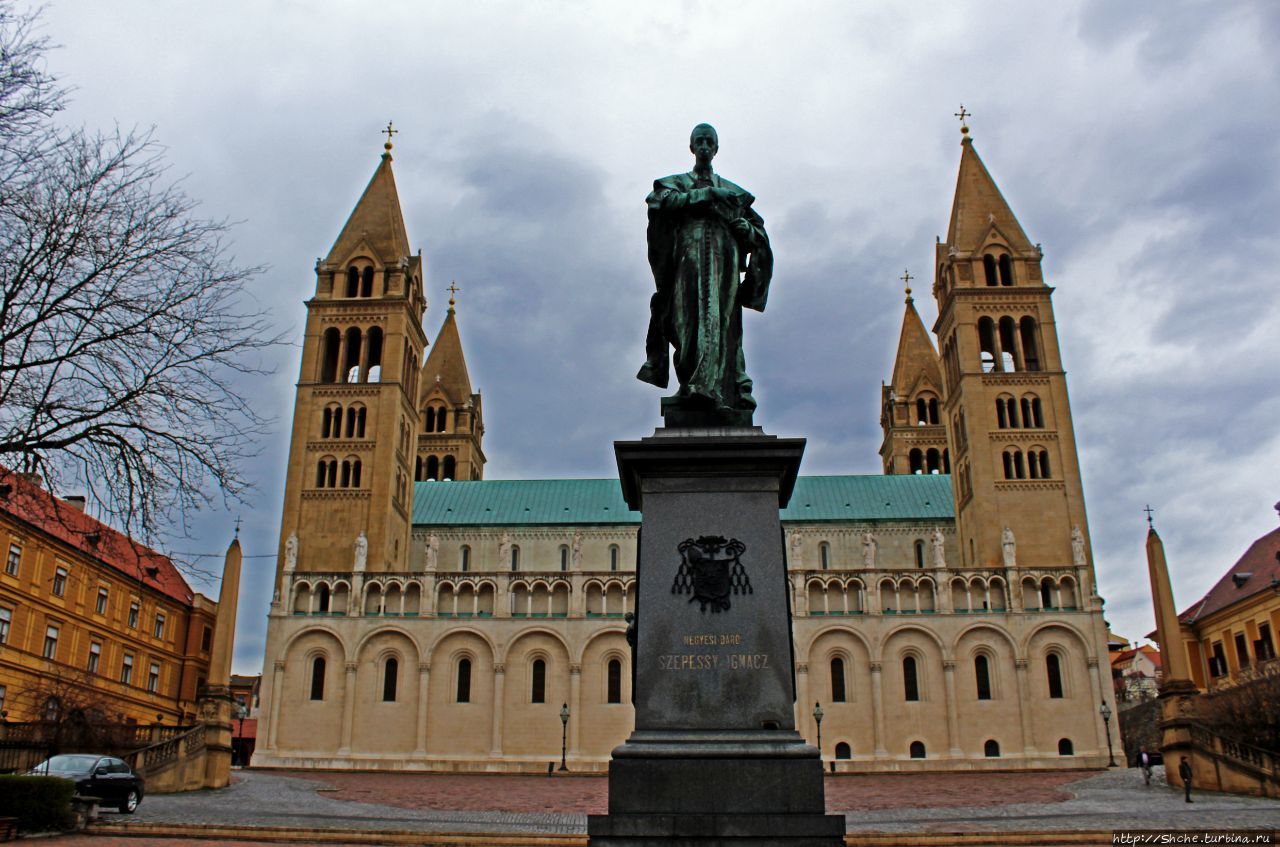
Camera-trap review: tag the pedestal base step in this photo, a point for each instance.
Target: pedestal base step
(742, 830)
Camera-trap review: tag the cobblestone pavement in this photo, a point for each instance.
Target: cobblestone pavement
(1106, 800)
(1059, 800)
(281, 799)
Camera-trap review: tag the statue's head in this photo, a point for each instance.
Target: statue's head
(704, 143)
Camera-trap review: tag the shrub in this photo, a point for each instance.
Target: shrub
(38, 802)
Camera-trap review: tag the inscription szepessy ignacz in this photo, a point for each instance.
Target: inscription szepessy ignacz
(711, 569)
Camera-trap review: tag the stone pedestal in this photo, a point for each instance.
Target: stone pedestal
(715, 758)
(215, 714)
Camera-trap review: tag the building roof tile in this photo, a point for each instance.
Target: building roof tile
(41, 510)
(542, 502)
(1256, 571)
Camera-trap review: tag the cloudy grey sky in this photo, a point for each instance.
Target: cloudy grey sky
(1136, 141)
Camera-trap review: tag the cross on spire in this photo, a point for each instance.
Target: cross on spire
(962, 114)
(1150, 511)
(453, 289)
(906, 281)
(237, 526)
(390, 131)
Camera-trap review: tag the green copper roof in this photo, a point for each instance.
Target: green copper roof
(599, 501)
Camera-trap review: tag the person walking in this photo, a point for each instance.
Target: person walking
(1184, 771)
(1144, 762)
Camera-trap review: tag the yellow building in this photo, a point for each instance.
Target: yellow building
(427, 618)
(1230, 634)
(90, 620)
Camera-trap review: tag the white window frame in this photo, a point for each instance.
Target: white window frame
(50, 650)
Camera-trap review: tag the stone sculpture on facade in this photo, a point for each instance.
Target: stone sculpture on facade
(797, 549)
(1077, 547)
(710, 258)
(869, 546)
(361, 548)
(576, 549)
(291, 551)
(1009, 547)
(939, 553)
(433, 552)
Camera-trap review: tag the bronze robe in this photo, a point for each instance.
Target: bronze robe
(698, 263)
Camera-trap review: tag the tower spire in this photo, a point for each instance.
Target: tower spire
(451, 447)
(979, 206)
(376, 223)
(912, 401)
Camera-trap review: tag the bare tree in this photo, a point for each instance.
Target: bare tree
(28, 94)
(1247, 712)
(125, 326)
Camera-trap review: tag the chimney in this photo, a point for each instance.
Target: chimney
(34, 478)
(75, 501)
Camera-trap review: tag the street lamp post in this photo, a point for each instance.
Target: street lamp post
(1105, 710)
(564, 735)
(241, 712)
(817, 718)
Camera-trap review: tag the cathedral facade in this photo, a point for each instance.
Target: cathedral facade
(945, 612)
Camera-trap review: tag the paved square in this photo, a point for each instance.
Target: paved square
(364, 803)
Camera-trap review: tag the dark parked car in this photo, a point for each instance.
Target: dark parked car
(105, 777)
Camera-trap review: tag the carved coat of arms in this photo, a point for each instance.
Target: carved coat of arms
(711, 569)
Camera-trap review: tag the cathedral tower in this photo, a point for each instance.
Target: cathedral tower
(1013, 449)
(349, 488)
(448, 446)
(915, 441)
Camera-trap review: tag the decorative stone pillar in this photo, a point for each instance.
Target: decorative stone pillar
(348, 708)
(429, 593)
(873, 594)
(277, 694)
(1024, 708)
(575, 708)
(499, 684)
(1084, 590)
(943, 588)
(877, 711)
(1015, 589)
(800, 592)
(502, 597)
(424, 678)
(577, 595)
(355, 606)
(953, 708)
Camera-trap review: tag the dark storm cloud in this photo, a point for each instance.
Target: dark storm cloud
(549, 277)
